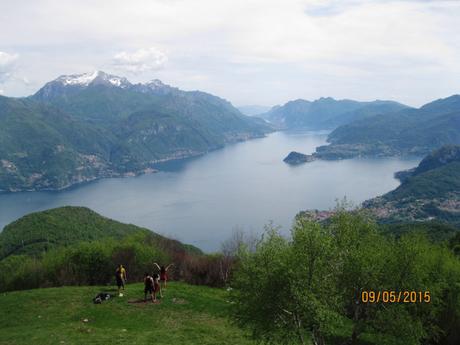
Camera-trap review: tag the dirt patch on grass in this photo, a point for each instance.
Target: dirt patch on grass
(139, 302)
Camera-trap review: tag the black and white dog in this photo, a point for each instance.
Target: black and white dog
(102, 296)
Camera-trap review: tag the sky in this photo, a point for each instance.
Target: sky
(263, 52)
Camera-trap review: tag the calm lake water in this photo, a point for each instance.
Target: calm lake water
(202, 200)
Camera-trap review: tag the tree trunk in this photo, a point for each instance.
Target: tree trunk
(297, 323)
(317, 338)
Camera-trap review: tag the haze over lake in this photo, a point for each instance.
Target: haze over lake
(201, 200)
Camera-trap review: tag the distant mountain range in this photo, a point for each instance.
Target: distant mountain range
(253, 110)
(325, 113)
(405, 132)
(78, 128)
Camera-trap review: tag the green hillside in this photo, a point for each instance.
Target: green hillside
(64, 226)
(77, 246)
(187, 315)
(435, 183)
(41, 147)
(405, 132)
(96, 103)
(438, 158)
(430, 191)
(40, 231)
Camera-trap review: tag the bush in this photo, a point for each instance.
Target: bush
(204, 270)
(87, 263)
(94, 263)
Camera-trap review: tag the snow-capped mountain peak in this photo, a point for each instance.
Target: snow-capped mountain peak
(78, 79)
(96, 77)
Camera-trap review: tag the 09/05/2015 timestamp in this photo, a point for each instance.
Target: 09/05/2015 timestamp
(388, 296)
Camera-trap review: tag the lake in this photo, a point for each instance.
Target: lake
(202, 200)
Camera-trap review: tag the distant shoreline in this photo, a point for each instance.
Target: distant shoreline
(151, 169)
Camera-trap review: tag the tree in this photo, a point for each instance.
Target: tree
(308, 287)
(279, 298)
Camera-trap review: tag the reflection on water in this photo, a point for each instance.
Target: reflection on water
(201, 200)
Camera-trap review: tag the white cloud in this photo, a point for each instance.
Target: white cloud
(7, 62)
(142, 60)
(243, 50)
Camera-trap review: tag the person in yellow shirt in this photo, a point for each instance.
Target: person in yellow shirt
(120, 276)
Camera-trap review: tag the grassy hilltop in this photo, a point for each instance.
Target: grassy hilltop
(187, 315)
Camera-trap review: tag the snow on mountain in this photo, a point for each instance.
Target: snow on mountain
(99, 77)
(155, 86)
(96, 77)
(78, 79)
(67, 84)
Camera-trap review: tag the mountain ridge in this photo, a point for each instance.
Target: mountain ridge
(402, 133)
(78, 128)
(325, 113)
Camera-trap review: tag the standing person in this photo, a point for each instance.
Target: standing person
(163, 273)
(149, 286)
(156, 287)
(120, 276)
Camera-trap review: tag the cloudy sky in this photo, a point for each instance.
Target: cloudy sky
(248, 51)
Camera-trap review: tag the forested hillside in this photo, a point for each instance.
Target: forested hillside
(430, 191)
(38, 232)
(77, 246)
(81, 127)
(404, 132)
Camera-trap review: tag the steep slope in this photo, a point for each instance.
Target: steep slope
(430, 191)
(95, 97)
(325, 113)
(149, 136)
(43, 148)
(407, 132)
(436, 159)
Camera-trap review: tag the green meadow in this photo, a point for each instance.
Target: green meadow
(186, 315)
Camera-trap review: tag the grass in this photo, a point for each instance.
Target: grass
(186, 315)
